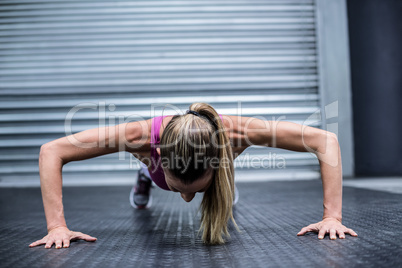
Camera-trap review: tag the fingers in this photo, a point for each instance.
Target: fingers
(322, 233)
(79, 235)
(49, 243)
(332, 234)
(350, 231)
(61, 238)
(341, 234)
(58, 243)
(305, 230)
(37, 243)
(66, 242)
(331, 226)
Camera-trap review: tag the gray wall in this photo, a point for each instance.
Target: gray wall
(375, 30)
(129, 61)
(335, 88)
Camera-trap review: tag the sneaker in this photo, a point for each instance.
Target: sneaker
(236, 198)
(140, 195)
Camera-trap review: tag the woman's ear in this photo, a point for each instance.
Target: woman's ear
(158, 150)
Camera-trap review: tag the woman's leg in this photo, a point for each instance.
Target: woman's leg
(140, 195)
(145, 170)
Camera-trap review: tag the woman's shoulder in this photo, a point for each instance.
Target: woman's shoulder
(237, 128)
(234, 121)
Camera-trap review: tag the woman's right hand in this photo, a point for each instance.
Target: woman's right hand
(61, 236)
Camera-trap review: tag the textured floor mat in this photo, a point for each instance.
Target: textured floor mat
(269, 215)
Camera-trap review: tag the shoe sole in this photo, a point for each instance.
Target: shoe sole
(131, 198)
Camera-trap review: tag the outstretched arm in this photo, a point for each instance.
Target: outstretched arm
(83, 145)
(325, 146)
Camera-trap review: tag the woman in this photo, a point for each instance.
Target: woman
(195, 154)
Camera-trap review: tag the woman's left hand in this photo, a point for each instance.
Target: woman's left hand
(328, 225)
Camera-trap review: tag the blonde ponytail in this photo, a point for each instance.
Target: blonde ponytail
(211, 141)
(216, 206)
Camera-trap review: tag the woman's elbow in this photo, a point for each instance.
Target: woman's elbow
(48, 149)
(332, 138)
(327, 141)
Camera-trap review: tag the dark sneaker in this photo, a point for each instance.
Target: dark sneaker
(140, 195)
(236, 198)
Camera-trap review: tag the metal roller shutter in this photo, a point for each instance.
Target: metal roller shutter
(57, 54)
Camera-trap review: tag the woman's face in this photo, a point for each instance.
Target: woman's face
(188, 191)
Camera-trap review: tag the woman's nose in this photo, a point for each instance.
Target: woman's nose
(188, 197)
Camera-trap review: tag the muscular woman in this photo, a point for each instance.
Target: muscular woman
(205, 143)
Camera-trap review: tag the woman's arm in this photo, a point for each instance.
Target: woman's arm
(325, 146)
(83, 145)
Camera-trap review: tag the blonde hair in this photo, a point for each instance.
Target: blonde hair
(188, 136)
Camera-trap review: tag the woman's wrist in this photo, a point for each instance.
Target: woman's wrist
(51, 228)
(337, 216)
(332, 208)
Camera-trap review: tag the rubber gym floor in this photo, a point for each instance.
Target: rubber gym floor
(269, 215)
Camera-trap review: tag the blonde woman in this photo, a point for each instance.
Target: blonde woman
(205, 143)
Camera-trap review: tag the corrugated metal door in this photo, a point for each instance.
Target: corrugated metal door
(126, 55)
